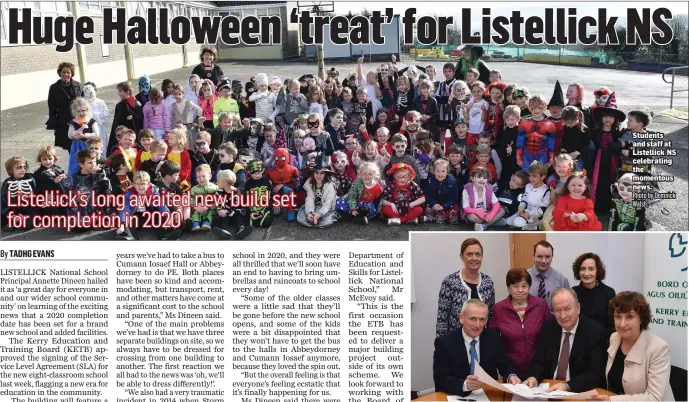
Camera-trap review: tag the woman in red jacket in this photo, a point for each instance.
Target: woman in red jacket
(519, 318)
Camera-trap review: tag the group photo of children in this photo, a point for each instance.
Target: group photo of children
(461, 145)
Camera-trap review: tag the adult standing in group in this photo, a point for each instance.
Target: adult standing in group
(544, 277)
(60, 97)
(467, 283)
(207, 69)
(638, 367)
(519, 319)
(592, 293)
(472, 59)
(570, 348)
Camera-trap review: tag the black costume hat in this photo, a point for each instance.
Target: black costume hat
(320, 165)
(558, 98)
(610, 108)
(475, 50)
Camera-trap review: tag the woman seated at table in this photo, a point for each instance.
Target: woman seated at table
(592, 293)
(519, 319)
(638, 366)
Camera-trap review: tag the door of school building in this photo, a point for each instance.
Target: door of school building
(521, 248)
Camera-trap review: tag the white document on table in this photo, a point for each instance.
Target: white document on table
(478, 395)
(524, 391)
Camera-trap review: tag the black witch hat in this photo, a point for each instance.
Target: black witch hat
(558, 98)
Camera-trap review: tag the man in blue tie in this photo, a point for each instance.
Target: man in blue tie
(458, 352)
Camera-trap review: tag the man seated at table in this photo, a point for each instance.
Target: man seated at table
(570, 348)
(457, 353)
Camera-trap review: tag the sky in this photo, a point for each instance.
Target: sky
(453, 8)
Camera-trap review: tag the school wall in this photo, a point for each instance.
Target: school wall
(28, 71)
(436, 255)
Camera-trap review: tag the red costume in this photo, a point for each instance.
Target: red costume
(567, 204)
(535, 141)
(402, 196)
(283, 173)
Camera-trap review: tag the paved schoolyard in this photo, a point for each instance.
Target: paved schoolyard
(22, 132)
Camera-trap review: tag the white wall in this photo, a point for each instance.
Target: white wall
(436, 255)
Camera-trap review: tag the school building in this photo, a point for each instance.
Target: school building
(27, 71)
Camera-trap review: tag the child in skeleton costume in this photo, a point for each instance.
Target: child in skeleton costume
(99, 111)
(442, 96)
(402, 199)
(89, 180)
(260, 185)
(143, 189)
(80, 129)
(319, 207)
(19, 181)
(624, 215)
(144, 89)
(202, 216)
(227, 154)
(285, 179)
(264, 99)
(405, 96)
(231, 221)
(48, 176)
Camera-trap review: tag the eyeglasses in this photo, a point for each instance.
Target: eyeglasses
(313, 124)
(200, 144)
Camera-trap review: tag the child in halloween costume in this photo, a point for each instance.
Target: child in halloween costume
(625, 215)
(203, 154)
(342, 172)
(99, 111)
(80, 129)
(178, 153)
(152, 165)
(535, 140)
(18, 181)
(607, 151)
(258, 184)
(227, 155)
(207, 97)
(224, 104)
(402, 199)
(557, 102)
(535, 200)
(365, 195)
(564, 167)
(574, 209)
(507, 138)
(144, 89)
(284, 178)
(319, 206)
(231, 221)
(202, 216)
(576, 136)
(264, 99)
(494, 117)
(89, 180)
(157, 115)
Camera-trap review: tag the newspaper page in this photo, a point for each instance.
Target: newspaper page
(297, 201)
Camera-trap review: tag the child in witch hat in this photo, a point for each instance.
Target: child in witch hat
(555, 106)
(607, 151)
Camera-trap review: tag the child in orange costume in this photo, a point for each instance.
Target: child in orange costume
(574, 209)
(403, 199)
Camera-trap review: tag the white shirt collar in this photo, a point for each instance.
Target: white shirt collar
(468, 339)
(573, 331)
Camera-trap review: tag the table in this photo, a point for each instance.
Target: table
(495, 394)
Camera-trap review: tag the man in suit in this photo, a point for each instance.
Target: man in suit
(570, 348)
(457, 353)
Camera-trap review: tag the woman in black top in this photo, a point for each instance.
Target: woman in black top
(208, 69)
(594, 296)
(60, 97)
